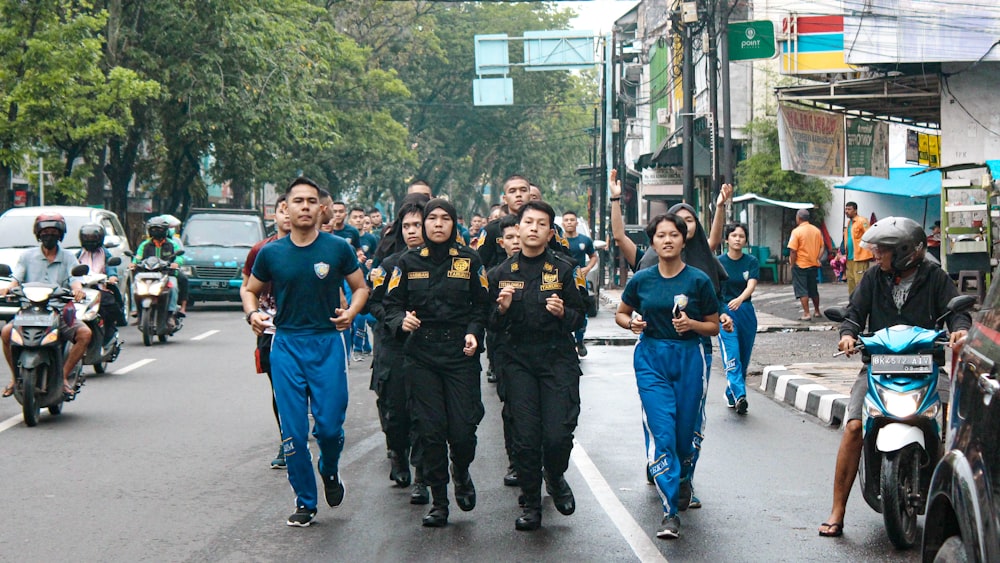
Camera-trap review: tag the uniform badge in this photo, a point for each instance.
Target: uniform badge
(483, 280)
(680, 302)
(394, 280)
(549, 278)
(481, 238)
(377, 276)
(581, 282)
(460, 268)
(583, 246)
(547, 267)
(516, 284)
(746, 276)
(452, 252)
(321, 269)
(550, 281)
(458, 237)
(418, 275)
(562, 241)
(424, 252)
(514, 266)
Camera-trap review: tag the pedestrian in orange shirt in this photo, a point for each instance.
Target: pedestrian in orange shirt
(859, 259)
(805, 246)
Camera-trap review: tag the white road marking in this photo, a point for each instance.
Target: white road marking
(637, 538)
(11, 422)
(134, 366)
(204, 335)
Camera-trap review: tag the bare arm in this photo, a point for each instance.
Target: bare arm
(625, 244)
(719, 221)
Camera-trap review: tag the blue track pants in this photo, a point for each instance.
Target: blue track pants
(309, 373)
(735, 348)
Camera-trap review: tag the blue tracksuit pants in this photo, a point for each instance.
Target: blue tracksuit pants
(309, 372)
(735, 348)
(672, 377)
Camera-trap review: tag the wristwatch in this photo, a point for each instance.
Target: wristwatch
(248, 316)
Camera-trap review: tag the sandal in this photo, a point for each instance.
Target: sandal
(8, 391)
(805, 319)
(833, 529)
(68, 393)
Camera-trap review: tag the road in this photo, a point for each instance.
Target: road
(169, 462)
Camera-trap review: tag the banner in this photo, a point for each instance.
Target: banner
(810, 141)
(867, 148)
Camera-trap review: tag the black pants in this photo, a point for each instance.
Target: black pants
(447, 402)
(494, 352)
(543, 394)
(389, 384)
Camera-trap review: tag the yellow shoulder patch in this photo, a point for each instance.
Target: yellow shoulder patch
(581, 282)
(483, 280)
(514, 266)
(394, 280)
(377, 277)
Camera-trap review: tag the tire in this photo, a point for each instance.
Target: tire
(952, 551)
(147, 327)
(55, 409)
(100, 367)
(29, 403)
(162, 338)
(896, 485)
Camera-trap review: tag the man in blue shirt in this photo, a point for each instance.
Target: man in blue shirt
(581, 247)
(306, 270)
(339, 226)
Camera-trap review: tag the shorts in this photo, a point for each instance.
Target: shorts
(804, 282)
(860, 389)
(68, 331)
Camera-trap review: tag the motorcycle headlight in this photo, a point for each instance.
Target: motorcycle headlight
(15, 337)
(901, 405)
(50, 338)
(141, 287)
(37, 294)
(932, 411)
(155, 288)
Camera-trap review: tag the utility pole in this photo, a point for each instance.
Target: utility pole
(727, 129)
(687, 84)
(713, 90)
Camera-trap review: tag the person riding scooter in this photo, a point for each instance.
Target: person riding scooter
(94, 255)
(162, 246)
(51, 264)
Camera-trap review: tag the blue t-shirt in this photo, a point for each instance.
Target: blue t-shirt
(655, 296)
(350, 234)
(368, 243)
(306, 280)
(582, 248)
(740, 271)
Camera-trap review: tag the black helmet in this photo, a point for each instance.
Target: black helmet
(50, 221)
(904, 236)
(92, 236)
(157, 227)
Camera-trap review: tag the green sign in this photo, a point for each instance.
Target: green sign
(751, 40)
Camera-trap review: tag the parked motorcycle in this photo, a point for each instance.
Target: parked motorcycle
(104, 344)
(38, 350)
(900, 418)
(151, 295)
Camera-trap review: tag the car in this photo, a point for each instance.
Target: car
(216, 243)
(17, 235)
(963, 505)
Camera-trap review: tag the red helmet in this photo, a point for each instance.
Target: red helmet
(50, 221)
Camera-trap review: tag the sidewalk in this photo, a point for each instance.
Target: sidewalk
(822, 390)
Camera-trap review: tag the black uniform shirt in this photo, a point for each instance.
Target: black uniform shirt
(534, 280)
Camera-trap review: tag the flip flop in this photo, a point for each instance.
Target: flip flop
(833, 529)
(8, 391)
(805, 319)
(817, 315)
(68, 393)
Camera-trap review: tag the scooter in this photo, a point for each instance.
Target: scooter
(104, 344)
(900, 418)
(151, 294)
(37, 349)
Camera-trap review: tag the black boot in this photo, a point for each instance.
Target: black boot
(438, 515)
(510, 479)
(562, 495)
(399, 468)
(465, 490)
(531, 518)
(419, 493)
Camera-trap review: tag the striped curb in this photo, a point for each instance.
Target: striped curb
(804, 394)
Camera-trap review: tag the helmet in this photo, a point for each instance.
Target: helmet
(904, 236)
(157, 227)
(92, 236)
(50, 221)
(172, 221)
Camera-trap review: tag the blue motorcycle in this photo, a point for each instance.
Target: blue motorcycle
(900, 418)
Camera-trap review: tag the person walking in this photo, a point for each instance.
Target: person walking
(805, 247)
(539, 306)
(859, 258)
(735, 346)
(677, 307)
(581, 247)
(306, 270)
(438, 294)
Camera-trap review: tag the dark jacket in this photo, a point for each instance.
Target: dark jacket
(872, 303)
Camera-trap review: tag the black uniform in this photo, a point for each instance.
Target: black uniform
(493, 254)
(446, 286)
(541, 369)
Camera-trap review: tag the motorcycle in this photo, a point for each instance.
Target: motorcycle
(37, 349)
(104, 344)
(900, 418)
(151, 295)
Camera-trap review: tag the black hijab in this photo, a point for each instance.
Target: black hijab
(439, 250)
(696, 252)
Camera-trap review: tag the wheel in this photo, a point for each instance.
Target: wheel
(29, 403)
(162, 338)
(897, 486)
(147, 327)
(55, 409)
(952, 551)
(100, 367)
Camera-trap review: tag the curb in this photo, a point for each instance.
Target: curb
(804, 394)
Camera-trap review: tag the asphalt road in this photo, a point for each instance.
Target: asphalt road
(169, 462)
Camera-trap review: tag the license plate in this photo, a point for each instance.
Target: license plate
(902, 364)
(215, 284)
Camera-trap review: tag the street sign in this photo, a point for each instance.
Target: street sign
(751, 40)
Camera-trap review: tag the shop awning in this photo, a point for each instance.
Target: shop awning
(754, 199)
(913, 100)
(902, 182)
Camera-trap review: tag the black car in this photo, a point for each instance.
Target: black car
(963, 505)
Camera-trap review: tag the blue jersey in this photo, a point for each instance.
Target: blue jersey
(581, 247)
(368, 243)
(350, 234)
(740, 272)
(655, 297)
(306, 280)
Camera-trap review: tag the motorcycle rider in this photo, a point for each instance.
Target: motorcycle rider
(49, 263)
(93, 254)
(163, 247)
(182, 279)
(907, 289)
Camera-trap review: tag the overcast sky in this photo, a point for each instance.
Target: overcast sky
(599, 15)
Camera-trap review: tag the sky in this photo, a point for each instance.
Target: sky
(599, 15)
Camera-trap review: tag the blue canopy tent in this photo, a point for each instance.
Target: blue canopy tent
(908, 182)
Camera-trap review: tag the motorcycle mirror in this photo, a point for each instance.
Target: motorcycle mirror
(5, 271)
(961, 303)
(80, 270)
(129, 253)
(112, 241)
(179, 253)
(836, 314)
(115, 261)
